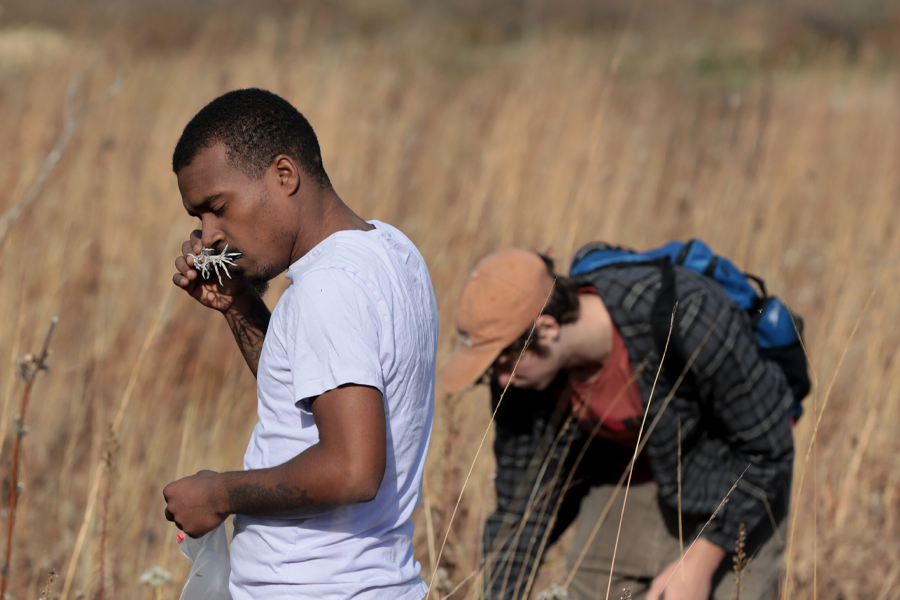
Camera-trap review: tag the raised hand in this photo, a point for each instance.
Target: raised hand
(208, 292)
(246, 313)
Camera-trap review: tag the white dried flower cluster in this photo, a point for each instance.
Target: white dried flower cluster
(155, 577)
(206, 262)
(554, 592)
(442, 581)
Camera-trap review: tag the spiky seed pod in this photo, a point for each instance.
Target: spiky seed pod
(208, 261)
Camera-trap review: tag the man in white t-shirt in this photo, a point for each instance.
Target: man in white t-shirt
(344, 364)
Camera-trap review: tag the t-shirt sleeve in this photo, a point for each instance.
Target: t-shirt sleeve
(336, 339)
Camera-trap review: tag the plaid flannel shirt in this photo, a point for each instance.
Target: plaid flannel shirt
(732, 410)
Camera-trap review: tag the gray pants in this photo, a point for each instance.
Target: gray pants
(649, 543)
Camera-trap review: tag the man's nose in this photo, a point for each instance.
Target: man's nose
(503, 371)
(503, 378)
(211, 236)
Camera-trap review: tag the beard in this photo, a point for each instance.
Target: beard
(258, 281)
(258, 285)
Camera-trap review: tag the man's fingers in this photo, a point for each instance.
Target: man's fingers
(186, 249)
(181, 263)
(186, 273)
(171, 517)
(180, 280)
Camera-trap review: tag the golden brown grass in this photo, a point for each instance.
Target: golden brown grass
(471, 136)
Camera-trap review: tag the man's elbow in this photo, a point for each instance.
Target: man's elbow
(362, 482)
(367, 493)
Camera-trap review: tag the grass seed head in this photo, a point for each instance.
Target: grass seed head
(51, 577)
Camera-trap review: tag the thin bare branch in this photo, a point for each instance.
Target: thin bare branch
(73, 116)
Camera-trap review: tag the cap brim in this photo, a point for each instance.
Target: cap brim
(466, 365)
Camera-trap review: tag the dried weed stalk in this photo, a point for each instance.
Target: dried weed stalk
(109, 455)
(740, 560)
(114, 428)
(45, 595)
(637, 449)
(480, 445)
(27, 368)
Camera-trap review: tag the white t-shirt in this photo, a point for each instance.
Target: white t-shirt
(360, 309)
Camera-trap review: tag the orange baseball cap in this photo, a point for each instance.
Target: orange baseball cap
(501, 299)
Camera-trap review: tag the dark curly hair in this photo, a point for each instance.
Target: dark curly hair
(255, 126)
(563, 306)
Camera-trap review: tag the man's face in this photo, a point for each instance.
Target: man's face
(240, 211)
(539, 364)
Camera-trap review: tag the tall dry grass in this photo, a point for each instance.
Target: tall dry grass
(745, 128)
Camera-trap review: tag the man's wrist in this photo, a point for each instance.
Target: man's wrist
(705, 556)
(242, 305)
(224, 484)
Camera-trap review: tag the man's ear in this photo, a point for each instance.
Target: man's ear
(288, 174)
(547, 329)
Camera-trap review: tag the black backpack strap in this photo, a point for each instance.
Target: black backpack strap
(661, 321)
(760, 283)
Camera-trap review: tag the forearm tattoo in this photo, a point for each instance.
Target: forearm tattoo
(250, 331)
(250, 498)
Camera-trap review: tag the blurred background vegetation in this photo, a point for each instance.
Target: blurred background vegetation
(769, 129)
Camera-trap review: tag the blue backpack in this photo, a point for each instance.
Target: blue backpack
(778, 330)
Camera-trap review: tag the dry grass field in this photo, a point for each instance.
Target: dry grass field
(770, 131)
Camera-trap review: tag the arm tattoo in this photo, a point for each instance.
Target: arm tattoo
(248, 337)
(280, 500)
(250, 331)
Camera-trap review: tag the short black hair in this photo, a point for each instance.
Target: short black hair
(255, 126)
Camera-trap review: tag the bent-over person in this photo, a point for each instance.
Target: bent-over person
(567, 428)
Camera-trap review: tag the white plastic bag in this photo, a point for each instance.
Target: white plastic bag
(208, 579)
